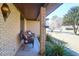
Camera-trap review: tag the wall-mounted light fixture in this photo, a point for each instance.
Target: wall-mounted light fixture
(5, 11)
(46, 24)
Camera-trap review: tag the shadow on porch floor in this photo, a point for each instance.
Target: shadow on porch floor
(29, 51)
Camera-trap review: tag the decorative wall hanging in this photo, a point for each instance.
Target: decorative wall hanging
(5, 11)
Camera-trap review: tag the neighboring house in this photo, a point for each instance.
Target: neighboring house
(23, 17)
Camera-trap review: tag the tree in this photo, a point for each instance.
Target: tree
(56, 22)
(72, 18)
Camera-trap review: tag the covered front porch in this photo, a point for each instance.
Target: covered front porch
(35, 12)
(24, 17)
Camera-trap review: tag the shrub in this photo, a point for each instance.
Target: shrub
(53, 48)
(58, 50)
(48, 37)
(48, 49)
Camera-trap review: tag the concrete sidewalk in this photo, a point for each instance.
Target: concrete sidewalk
(29, 51)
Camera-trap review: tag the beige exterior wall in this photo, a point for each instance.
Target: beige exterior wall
(33, 26)
(9, 30)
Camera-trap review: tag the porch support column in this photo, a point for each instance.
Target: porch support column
(42, 30)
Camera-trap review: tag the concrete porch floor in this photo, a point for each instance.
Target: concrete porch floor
(29, 51)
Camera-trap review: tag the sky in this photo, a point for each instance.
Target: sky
(62, 10)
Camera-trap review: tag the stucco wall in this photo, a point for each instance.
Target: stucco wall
(33, 26)
(9, 30)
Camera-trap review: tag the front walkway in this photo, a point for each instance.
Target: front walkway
(29, 51)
